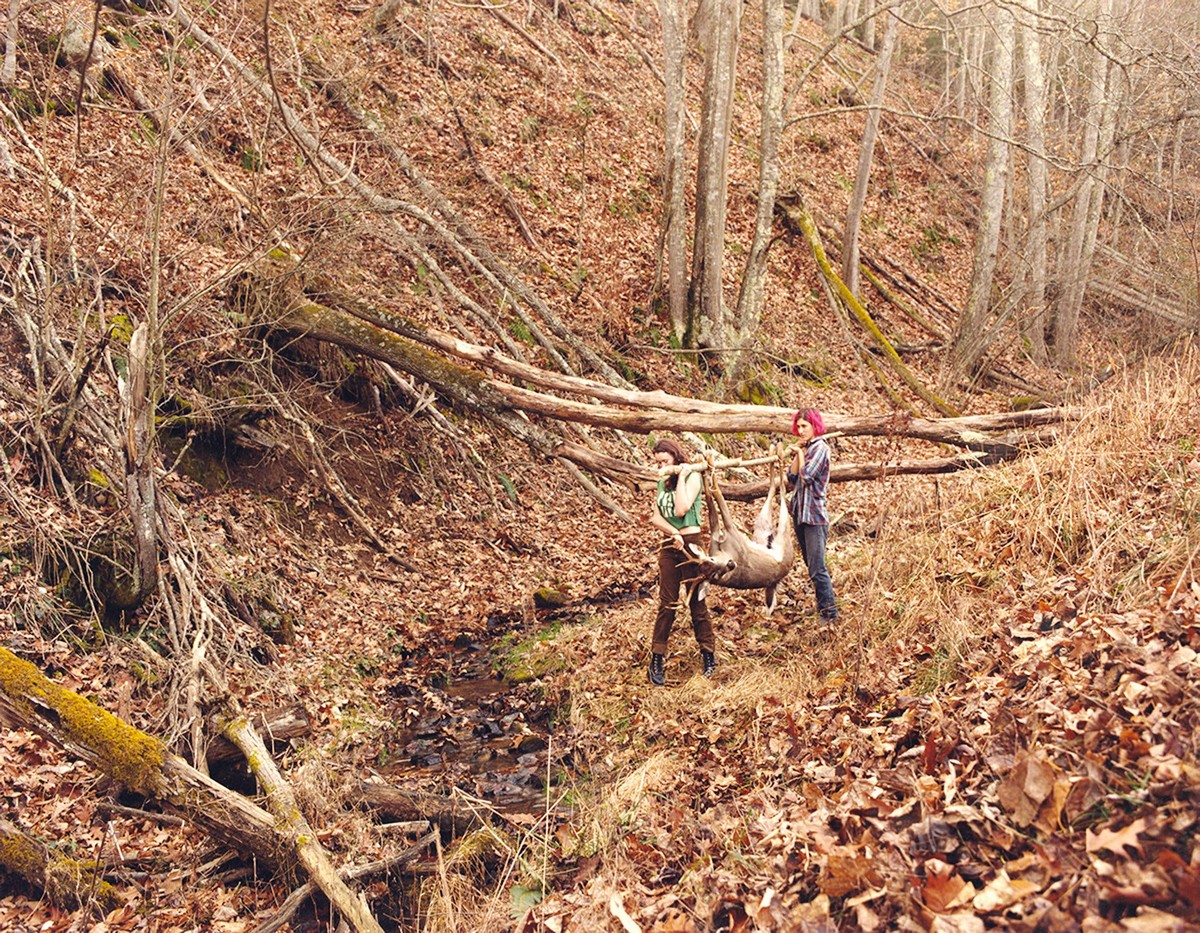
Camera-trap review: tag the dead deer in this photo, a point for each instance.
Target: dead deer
(742, 563)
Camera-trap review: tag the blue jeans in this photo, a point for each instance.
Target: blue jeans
(812, 540)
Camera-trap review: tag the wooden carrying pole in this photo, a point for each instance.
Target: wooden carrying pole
(736, 462)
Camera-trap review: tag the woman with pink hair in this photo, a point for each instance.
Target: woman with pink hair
(809, 475)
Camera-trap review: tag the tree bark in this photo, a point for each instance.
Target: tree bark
(1037, 248)
(277, 725)
(706, 307)
(866, 156)
(674, 164)
(1075, 263)
(138, 443)
(754, 276)
(451, 820)
(8, 72)
(972, 337)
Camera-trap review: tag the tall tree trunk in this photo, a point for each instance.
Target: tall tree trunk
(674, 183)
(866, 155)
(868, 28)
(8, 72)
(706, 312)
(750, 298)
(1076, 261)
(972, 335)
(1035, 118)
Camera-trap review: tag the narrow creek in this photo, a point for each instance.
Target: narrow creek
(490, 738)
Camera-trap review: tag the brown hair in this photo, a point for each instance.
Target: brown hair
(678, 454)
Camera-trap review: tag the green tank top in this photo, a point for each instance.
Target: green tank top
(666, 508)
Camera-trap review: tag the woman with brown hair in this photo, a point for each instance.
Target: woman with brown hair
(676, 513)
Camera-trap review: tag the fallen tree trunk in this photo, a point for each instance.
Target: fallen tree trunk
(399, 804)
(29, 700)
(386, 337)
(382, 867)
(295, 827)
(68, 883)
(277, 726)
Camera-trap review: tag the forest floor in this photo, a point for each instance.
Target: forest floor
(1000, 732)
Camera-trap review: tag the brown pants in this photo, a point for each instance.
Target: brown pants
(675, 571)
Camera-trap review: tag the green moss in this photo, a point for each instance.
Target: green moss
(121, 751)
(73, 884)
(531, 659)
(549, 597)
(22, 856)
(68, 882)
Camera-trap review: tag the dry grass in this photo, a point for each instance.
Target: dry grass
(1108, 518)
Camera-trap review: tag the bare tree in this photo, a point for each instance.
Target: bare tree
(8, 72)
(1076, 260)
(750, 298)
(1036, 253)
(971, 336)
(867, 154)
(674, 166)
(719, 23)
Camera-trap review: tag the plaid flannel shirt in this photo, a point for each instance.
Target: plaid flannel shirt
(808, 499)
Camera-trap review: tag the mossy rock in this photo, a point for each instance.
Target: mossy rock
(549, 597)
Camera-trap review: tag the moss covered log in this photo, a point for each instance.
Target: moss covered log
(30, 700)
(68, 883)
(800, 216)
(80, 726)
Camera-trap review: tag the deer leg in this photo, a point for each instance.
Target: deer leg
(780, 476)
(727, 524)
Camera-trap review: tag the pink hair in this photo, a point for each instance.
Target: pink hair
(813, 417)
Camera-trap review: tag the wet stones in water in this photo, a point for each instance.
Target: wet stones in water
(488, 729)
(530, 743)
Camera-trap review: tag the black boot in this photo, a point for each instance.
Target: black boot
(656, 674)
(708, 662)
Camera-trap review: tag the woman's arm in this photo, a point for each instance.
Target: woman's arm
(686, 490)
(665, 526)
(798, 462)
